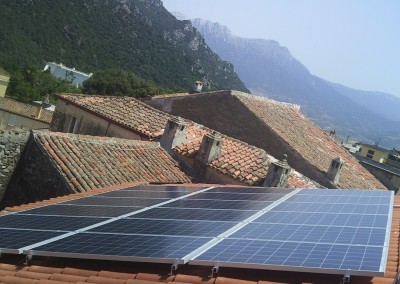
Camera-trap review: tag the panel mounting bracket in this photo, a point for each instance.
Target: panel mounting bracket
(27, 259)
(346, 277)
(214, 270)
(174, 268)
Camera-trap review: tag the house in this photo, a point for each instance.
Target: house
(56, 269)
(4, 79)
(54, 164)
(123, 117)
(65, 73)
(126, 117)
(14, 114)
(374, 152)
(278, 128)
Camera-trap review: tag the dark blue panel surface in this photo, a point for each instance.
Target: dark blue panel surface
(82, 210)
(306, 255)
(145, 194)
(237, 196)
(196, 214)
(115, 201)
(47, 222)
(256, 190)
(16, 239)
(165, 227)
(125, 245)
(167, 188)
(218, 204)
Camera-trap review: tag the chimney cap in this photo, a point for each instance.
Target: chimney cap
(283, 163)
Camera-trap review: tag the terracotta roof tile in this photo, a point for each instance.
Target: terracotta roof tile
(239, 160)
(25, 110)
(309, 140)
(89, 162)
(125, 111)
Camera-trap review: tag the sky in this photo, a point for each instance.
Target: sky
(355, 43)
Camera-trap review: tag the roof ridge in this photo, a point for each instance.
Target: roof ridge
(271, 101)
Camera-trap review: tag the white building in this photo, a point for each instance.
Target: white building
(70, 74)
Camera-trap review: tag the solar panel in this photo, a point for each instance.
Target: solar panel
(143, 248)
(166, 227)
(332, 231)
(196, 214)
(326, 231)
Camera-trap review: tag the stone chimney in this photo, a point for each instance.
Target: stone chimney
(174, 133)
(278, 174)
(335, 170)
(199, 86)
(210, 149)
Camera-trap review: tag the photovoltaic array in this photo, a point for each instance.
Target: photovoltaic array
(318, 230)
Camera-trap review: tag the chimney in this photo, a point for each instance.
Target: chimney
(199, 86)
(174, 133)
(335, 170)
(278, 173)
(39, 109)
(210, 149)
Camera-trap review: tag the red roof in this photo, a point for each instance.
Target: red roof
(126, 111)
(25, 110)
(90, 162)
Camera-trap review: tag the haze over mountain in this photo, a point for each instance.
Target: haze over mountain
(269, 69)
(136, 35)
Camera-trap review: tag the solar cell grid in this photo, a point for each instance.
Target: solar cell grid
(166, 188)
(196, 214)
(305, 255)
(165, 227)
(256, 190)
(329, 219)
(218, 204)
(115, 201)
(143, 194)
(36, 222)
(236, 196)
(135, 246)
(82, 210)
(16, 239)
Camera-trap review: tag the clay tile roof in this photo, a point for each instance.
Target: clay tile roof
(309, 140)
(25, 110)
(89, 162)
(45, 270)
(243, 162)
(126, 111)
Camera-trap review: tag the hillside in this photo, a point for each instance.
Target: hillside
(269, 70)
(136, 35)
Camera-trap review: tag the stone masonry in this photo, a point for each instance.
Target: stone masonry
(12, 144)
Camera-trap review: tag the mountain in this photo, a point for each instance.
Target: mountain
(269, 70)
(136, 35)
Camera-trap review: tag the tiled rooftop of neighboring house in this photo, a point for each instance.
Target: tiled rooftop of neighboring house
(89, 162)
(52, 270)
(241, 161)
(308, 140)
(125, 111)
(25, 110)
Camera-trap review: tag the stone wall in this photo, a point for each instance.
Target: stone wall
(12, 144)
(35, 178)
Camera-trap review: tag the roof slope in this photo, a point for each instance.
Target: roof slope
(239, 160)
(278, 128)
(126, 111)
(25, 110)
(89, 162)
(42, 270)
(309, 140)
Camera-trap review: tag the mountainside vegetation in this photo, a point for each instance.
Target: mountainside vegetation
(138, 36)
(269, 69)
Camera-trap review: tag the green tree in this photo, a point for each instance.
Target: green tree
(118, 82)
(30, 84)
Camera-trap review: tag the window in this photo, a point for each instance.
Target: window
(72, 125)
(12, 120)
(370, 154)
